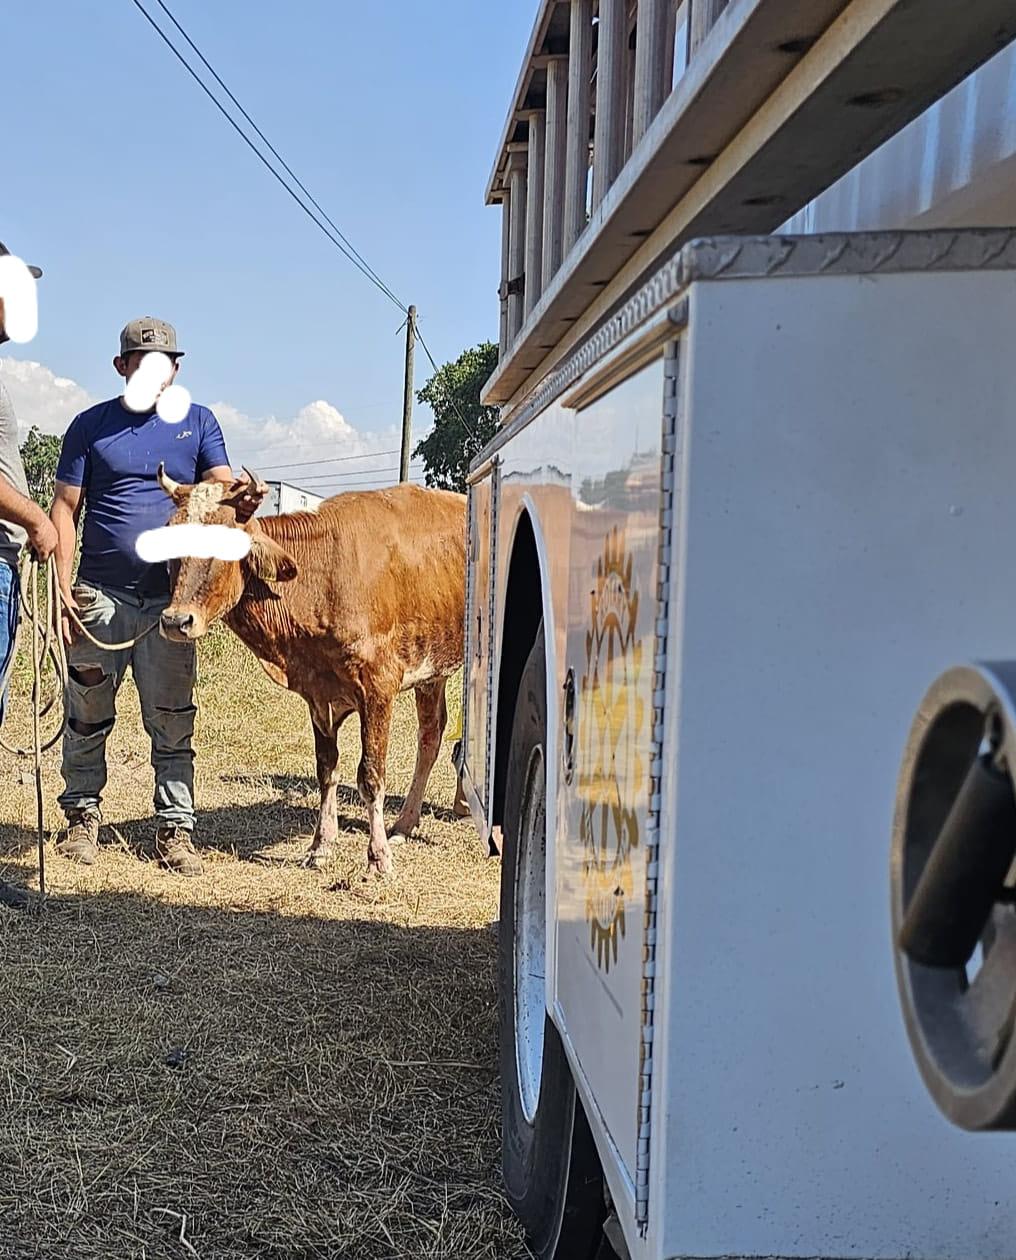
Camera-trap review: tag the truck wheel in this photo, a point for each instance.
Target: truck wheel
(552, 1172)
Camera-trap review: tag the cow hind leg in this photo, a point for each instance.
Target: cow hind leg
(326, 748)
(375, 727)
(432, 716)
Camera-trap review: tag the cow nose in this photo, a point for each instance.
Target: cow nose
(177, 621)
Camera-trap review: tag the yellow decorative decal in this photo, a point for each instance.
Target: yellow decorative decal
(611, 771)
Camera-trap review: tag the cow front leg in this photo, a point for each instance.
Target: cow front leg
(432, 716)
(375, 725)
(326, 749)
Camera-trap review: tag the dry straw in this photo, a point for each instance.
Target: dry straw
(266, 1061)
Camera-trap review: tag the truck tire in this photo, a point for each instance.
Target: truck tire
(551, 1168)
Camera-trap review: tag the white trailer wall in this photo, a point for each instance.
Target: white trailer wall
(953, 166)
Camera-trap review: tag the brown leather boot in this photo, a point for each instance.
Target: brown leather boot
(80, 840)
(175, 851)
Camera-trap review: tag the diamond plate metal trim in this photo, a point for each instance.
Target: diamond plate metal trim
(671, 372)
(469, 647)
(755, 257)
(495, 500)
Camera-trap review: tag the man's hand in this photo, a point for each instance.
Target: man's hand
(68, 627)
(42, 537)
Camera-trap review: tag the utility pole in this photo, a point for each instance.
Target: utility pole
(407, 398)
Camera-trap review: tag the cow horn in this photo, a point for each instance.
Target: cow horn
(168, 484)
(256, 484)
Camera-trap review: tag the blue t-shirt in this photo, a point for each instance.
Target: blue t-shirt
(114, 455)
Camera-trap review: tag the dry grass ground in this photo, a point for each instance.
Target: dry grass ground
(267, 1061)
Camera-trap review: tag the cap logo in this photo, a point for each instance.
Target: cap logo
(154, 336)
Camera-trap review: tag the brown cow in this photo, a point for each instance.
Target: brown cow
(347, 606)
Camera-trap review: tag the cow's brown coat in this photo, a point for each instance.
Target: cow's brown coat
(346, 606)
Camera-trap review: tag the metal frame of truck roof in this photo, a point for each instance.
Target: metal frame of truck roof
(781, 98)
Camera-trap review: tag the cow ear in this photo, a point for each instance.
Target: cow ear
(269, 562)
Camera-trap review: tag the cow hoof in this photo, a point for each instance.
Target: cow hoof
(402, 830)
(381, 863)
(315, 861)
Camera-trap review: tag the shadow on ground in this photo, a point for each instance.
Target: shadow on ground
(255, 1084)
(247, 831)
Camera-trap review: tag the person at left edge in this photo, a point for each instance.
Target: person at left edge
(109, 465)
(21, 521)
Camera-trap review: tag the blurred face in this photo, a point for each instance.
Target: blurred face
(206, 588)
(127, 364)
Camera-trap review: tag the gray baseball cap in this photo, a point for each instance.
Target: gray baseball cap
(36, 271)
(148, 333)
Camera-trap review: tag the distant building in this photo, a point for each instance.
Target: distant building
(282, 497)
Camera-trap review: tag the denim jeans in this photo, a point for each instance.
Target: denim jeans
(164, 674)
(9, 596)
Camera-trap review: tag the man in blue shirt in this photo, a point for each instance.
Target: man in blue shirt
(109, 465)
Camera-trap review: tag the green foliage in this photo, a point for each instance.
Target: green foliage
(453, 394)
(40, 453)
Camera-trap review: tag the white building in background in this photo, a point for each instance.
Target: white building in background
(283, 497)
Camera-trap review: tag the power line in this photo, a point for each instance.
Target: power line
(362, 472)
(384, 483)
(451, 398)
(348, 253)
(335, 459)
(371, 475)
(282, 161)
(335, 236)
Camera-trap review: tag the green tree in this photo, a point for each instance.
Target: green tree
(40, 453)
(462, 425)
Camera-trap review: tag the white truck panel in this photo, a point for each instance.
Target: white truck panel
(810, 442)
(601, 846)
(846, 452)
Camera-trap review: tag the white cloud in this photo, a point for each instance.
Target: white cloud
(292, 449)
(271, 445)
(40, 397)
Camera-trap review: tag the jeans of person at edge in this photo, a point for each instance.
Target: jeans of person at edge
(164, 674)
(9, 598)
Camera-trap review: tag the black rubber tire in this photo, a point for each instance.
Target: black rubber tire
(552, 1172)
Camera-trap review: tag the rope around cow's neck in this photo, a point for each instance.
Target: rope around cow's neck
(48, 645)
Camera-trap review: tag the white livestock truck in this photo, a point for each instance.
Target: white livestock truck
(752, 493)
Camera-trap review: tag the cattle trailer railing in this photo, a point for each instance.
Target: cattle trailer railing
(713, 562)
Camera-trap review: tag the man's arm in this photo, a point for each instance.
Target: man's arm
(65, 513)
(19, 510)
(213, 461)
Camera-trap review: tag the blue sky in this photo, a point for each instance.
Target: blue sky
(131, 192)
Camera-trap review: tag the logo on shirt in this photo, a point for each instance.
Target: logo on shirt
(185, 433)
